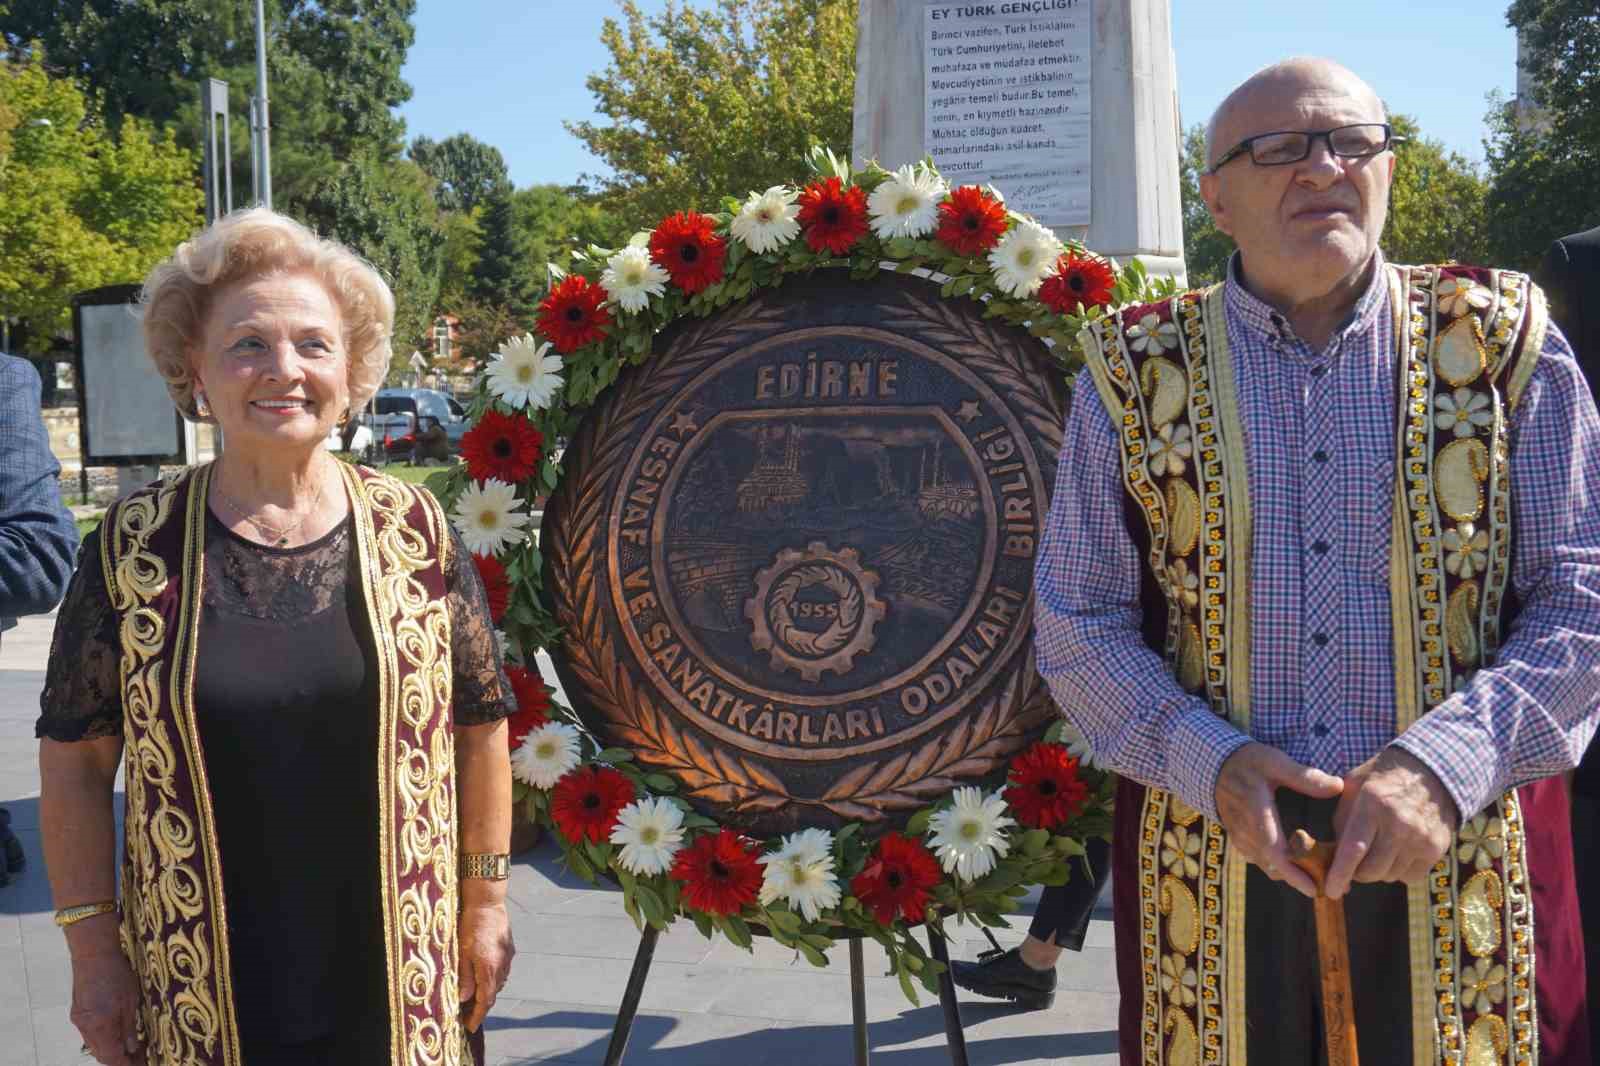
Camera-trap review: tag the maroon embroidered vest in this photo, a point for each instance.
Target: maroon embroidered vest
(174, 911)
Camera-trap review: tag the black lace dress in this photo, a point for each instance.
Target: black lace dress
(286, 701)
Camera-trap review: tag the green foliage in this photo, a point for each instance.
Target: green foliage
(1436, 207)
(1205, 247)
(468, 171)
(333, 70)
(708, 102)
(553, 220)
(504, 275)
(1544, 164)
(1436, 204)
(80, 206)
(385, 211)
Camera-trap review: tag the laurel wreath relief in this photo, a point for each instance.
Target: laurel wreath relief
(837, 635)
(982, 741)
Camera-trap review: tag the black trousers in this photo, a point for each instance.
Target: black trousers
(1064, 910)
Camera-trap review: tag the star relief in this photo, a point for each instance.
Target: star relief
(969, 411)
(683, 424)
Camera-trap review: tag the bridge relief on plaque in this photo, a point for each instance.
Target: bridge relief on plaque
(818, 543)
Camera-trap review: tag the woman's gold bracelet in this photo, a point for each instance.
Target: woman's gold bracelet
(72, 915)
(491, 865)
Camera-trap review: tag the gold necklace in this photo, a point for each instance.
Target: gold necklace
(279, 534)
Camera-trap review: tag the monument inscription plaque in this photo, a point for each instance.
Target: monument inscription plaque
(793, 552)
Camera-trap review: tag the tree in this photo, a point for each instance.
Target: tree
(705, 103)
(458, 259)
(80, 206)
(1544, 153)
(1205, 247)
(1436, 207)
(468, 171)
(551, 220)
(1436, 204)
(504, 275)
(333, 69)
(385, 211)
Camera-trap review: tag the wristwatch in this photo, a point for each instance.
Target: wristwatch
(489, 865)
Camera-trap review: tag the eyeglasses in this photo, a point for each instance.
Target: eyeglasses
(1291, 146)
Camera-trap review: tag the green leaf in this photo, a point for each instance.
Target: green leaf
(1035, 841)
(614, 755)
(738, 931)
(918, 824)
(660, 783)
(703, 923)
(906, 986)
(813, 956)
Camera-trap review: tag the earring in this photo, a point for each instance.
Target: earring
(201, 408)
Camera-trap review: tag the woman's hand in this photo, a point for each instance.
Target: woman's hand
(105, 995)
(483, 960)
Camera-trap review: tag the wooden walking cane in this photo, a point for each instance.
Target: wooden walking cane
(1333, 951)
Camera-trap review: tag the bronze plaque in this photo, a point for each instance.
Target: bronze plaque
(793, 552)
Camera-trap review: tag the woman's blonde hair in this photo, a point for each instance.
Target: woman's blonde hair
(251, 243)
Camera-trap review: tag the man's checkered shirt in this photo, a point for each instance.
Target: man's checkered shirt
(1319, 440)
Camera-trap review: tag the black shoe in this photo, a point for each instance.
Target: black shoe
(12, 860)
(1003, 975)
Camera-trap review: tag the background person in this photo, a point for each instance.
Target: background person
(38, 537)
(1262, 619)
(294, 659)
(1570, 273)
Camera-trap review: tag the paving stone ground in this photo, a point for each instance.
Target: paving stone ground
(706, 1003)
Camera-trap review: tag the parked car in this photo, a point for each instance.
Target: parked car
(396, 414)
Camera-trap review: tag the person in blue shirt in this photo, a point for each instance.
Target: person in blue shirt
(38, 538)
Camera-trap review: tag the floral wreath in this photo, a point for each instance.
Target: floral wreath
(971, 855)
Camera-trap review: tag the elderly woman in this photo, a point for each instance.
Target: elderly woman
(293, 660)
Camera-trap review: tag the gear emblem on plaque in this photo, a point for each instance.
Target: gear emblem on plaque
(792, 552)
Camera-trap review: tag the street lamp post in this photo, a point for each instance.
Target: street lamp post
(263, 159)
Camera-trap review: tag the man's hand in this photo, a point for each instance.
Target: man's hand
(484, 956)
(1250, 814)
(1394, 821)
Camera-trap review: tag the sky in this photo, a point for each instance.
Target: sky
(509, 71)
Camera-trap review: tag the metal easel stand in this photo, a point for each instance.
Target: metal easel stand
(955, 1038)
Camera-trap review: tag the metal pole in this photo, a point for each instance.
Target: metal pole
(858, 1005)
(954, 1036)
(631, 995)
(265, 124)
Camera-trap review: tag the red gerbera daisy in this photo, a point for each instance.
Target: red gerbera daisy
(585, 802)
(687, 247)
(897, 879)
(720, 874)
(533, 704)
(495, 584)
(502, 446)
(1080, 281)
(1044, 789)
(832, 216)
(971, 221)
(574, 313)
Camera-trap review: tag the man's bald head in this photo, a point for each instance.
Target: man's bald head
(1287, 77)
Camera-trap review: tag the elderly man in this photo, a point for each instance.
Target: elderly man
(1325, 553)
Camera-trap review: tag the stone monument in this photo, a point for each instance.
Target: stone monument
(1068, 106)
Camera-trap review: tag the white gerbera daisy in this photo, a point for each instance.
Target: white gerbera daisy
(545, 755)
(487, 517)
(907, 204)
(768, 220)
(649, 831)
(968, 835)
(1025, 256)
(1078, 746)
(631, 277)
(523, 374)
(801, 873)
